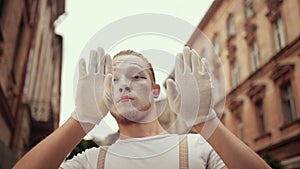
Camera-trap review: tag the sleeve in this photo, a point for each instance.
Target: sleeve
(87, 159)
(214, 160)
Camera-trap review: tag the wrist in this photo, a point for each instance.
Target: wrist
(206, 129)
(204, 118)
(92, 118)
(84, 127)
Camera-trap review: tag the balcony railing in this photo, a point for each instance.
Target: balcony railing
(41, 111)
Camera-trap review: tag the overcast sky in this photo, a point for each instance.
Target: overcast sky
(83, 19)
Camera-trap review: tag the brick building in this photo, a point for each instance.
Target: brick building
(258, 44)
(30, 73)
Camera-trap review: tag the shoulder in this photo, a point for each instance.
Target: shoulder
(197, 139)
(87, 158)
(196, 142)
(201, 152)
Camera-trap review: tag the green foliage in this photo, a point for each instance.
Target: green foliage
(275, 164)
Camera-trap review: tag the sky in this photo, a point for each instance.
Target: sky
(88, 24)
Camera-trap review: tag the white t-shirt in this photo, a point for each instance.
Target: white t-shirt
(160, 151)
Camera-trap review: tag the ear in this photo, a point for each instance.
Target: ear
(156, 91)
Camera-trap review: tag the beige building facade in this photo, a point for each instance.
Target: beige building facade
(30, 74)
(258, 44)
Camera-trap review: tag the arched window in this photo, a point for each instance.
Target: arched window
(230, 26)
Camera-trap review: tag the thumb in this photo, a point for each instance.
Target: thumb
(172, 90)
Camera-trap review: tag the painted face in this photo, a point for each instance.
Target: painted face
(133, 91)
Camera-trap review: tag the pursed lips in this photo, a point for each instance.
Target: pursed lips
(125, 98)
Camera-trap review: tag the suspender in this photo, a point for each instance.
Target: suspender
(183, 154)
(101, 157)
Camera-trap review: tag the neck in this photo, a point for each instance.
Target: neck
(138, 130)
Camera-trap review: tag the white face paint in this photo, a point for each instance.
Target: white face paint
(132, 89)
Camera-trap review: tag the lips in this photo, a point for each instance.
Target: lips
(125, 98)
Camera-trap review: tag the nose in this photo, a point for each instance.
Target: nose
(124, 88)
(124, 85)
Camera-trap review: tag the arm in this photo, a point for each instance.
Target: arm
(92, 103)
(233, 151)
(50, 152)
(193, 80)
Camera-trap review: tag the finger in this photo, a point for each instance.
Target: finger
(172, 90)
(93, 62)
(101, 65)
(82, 68)
(100, 51)
(195, 61)
(101, 61)
(187, 59)
(179, 64)
(108, 64)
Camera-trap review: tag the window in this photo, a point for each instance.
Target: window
(28, 72)
(287, 102)
(236, 107)
(254, 56)
(240, 126)
(256, 93)
(234, 74)
(230, 26)
(283, 75)
(278, 29)
(249, 8)
(260, 117)
(216, 44)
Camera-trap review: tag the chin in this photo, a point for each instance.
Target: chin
(130, 117)
(121, 119)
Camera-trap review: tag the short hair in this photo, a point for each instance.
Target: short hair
(134, 53)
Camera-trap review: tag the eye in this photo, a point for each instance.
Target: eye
(115, 79)
(137, 77)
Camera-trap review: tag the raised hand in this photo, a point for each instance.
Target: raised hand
(93, 93)
(190, 95)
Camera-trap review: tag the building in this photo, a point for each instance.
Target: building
(30, 69)
(258, 44)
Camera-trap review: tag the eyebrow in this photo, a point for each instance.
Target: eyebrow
(121, 61)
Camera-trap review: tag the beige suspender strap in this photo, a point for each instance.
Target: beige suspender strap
(183, 152)
(101, 157)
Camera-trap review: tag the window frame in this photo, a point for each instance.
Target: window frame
(234, 73)
(249, 9)
(281, 75)
(289, 115)
(254, 55)
(230, 26)
(260, 116)
(279, 33)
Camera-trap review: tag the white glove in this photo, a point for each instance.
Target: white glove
(191, 95)
(93, 93)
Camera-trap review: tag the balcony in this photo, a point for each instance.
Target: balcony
(43, 123)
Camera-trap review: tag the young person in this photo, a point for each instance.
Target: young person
(126, 87)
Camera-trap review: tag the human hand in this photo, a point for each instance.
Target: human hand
(93, 94)
(191, 93)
